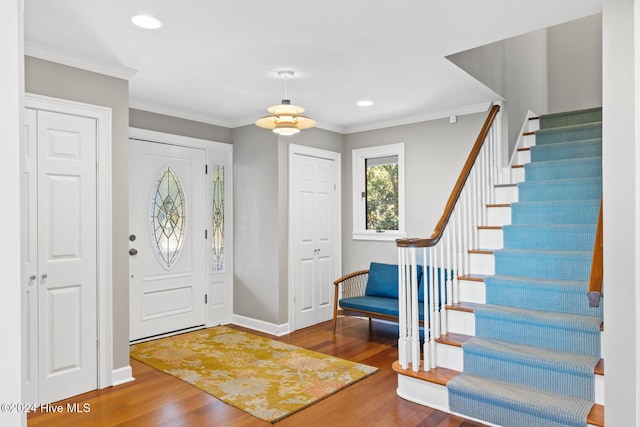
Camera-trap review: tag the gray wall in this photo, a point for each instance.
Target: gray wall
(177, 126)
(60, 81)
(575, 64)
(550, 70)
(435, 152)
(260, 165)
(621, 192)
(257, 227)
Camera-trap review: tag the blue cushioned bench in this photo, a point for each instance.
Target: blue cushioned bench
(372, 293)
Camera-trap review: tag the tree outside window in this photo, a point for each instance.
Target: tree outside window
(382, 193)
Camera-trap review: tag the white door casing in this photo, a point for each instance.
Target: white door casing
(60, 261)
(314, 234)
(166, 296)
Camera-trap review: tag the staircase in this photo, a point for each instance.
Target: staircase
(522, 345)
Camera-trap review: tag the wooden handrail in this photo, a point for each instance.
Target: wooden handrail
(597, 266)
(457, 189)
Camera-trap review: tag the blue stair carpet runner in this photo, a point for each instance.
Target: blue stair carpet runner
(537, 342)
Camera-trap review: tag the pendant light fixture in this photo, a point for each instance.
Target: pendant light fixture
(285, 119)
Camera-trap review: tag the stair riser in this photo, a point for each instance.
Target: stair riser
(569, 133)
(530, 140)
(566, 151)
(538, 335)
(552, 238)
(461, 322)
(546, 299)
(471, 291)
(543, 266)
(556, 213)
(481, 264)
(559, 191)
(490, 239)
(499, 215)
(450, 357)
(523, 157)
(517, 175)
(560, 120)
(508, 194)
(582, 168)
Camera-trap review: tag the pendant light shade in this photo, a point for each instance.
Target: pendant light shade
(285, 119)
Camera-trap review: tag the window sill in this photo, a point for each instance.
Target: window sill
(372, 235)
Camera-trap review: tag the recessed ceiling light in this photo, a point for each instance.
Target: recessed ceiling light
(364, 103)
(147, 22)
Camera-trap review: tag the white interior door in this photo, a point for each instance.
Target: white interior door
(314, 238)
(168, 241)
(60, 258)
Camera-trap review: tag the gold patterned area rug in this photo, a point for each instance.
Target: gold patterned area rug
(268, 379)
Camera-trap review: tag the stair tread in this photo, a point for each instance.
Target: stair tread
(489, 227)
(467, 307)
(481, 251)
(473, 277)
(453, 338)
(442, 376)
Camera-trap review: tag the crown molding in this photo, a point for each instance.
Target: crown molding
(151, 107)
(48, 53)
(424, 117)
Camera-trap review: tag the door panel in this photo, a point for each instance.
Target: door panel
(67, 248)
(168, 273)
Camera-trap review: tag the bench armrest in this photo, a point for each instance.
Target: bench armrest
(353, 284)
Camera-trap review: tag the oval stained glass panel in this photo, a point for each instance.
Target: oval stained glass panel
(167, 217)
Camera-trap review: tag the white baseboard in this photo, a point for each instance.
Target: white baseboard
(260, 325)
(122, 375)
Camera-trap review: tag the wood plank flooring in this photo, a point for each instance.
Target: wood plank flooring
(157, 399)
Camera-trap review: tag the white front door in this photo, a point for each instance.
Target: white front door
(314, 238)
(168, 241)
(60, 257)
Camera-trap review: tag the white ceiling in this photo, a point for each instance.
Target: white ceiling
(216, 61)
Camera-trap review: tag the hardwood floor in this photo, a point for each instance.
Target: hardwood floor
(158, 399)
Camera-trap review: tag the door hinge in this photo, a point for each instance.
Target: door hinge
(206, 233)
(206, 169)
(205, 298)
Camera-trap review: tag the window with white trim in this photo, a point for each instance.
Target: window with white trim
(378, 192)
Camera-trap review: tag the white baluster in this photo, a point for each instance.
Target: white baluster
(402, 309)
(415, 326)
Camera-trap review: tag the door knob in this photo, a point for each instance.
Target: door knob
(45, 275)
(133, 252)
(33, 277)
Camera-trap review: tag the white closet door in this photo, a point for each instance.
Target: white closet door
(67, 266)
(314, 218)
